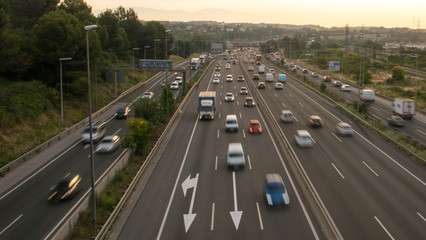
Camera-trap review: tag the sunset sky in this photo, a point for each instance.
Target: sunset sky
(327, 13)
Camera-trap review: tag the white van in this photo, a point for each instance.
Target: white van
(367, 95)
(269, 77)
(231, 123)
(235, 156)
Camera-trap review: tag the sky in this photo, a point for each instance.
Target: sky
(325, 13)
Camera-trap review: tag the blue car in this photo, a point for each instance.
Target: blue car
(275, 191)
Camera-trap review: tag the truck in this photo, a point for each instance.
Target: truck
(202, 59)
(261, 69)
(195, 63)
(269, 77)
(367, 95)
(206, 105)
(258, 59)
(282, 78)
(404, 107)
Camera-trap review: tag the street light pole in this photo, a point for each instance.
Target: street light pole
(167, 90)
(360, 73)
(133, 62)
(62, 98)
(417, 57)
(144, 55)
(92, 160)
(155, 47)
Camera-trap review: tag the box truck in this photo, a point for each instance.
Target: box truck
(404, 107)
(206, 105)
(282, 78)
(269, 77)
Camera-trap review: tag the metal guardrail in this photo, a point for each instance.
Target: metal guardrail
(33, 152)
(117, 210)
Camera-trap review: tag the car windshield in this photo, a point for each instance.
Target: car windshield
(206, 108)
(235, 155)
(255, 125)
(62, 185)
(106, 140)
(275, 187)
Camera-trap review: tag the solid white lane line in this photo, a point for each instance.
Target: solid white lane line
(241, 115)
(249, 162)
(215, 164)
(420, 131)
(424, 219)
(338, 170)
(260, 216)
(370, 168)
(244, 133)
(301, 104)
(384, 228)
(375, 109)
(221, 93)
(336, 137)
(212, 221)
(218, 131)
(283, 105)
(13, 222)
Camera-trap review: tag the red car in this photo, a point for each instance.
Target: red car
(327, 79)
(255, 126)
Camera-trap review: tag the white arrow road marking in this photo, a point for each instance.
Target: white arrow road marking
(235, 215)
(189, 183)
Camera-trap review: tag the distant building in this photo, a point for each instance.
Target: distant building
(217, 48)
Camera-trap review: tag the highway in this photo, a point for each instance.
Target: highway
(381, 108)
(26, 213)
(370, 190)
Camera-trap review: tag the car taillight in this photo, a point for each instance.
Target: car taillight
(321, 123)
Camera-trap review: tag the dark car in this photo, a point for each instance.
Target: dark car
(294, 70)
(256, 77)
(261, 85)
(122, 113)
(275, 191)
(243, 91)
(314, 121)
(395, 120)
(249, 102)
(305, 70)
(327, 79)
(65, 189)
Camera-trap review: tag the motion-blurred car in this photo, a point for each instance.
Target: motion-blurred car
(240, 78)
(345, 88)
(303, 138)
(261, 85)
(250, 68)
(98, 132)
(314, 121)
(275, 191)
(229, 97)
(148, 95)
(256, 76)
(249, 102)
(235, 156)
(305, 70)
(255, 126)
(337, 83)
(163, 83)
(231, 123)
(243, 91)
(228, 66)
(327, 79)
(271, 70)
(395, 120)
(229, 78)
(179, 80)
(344, 129)
(216, 80)
(279, 86)
(216, 74)
(122, 113)
(65, 189)
(314, 74)
(108, 144)
(294, 70)
(287, 116)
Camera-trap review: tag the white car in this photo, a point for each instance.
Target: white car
(229, 97)
(148, 95)
(216, 80)
(178, 80)
(345, 88)
(229, 78)
(108, 144)
(174, 86)
(235, 156)
(228, 66)
(279, 85)
(344, 129)
(216, 74)
(303, 138)
(250, 68)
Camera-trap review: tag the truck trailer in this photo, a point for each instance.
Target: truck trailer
(404, 107)
(206, 105)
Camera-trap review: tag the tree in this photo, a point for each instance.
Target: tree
(80, 9)
(26, 13)
(163, 99)
(139, 133)
(398, 74)
(149, 110)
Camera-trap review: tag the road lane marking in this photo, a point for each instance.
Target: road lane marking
(275, 95)
(13, 222)
(190, 183)
(375, 109)
(221, 93)
(283, 105)
(212, 221)
(290, 95)
(218, 131)
(249, 162)
(370, 168)
(241, 115)
(244, 134)
(420, 131)
(220, 115)
(338, 170)
(384, 228)
(215, 164)
(336, 137)
(260, 216)
(220, 102)
(238, 103)
(301, 104)
(424, 219)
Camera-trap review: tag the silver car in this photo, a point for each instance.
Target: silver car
(108, 144)
(229, 97)
(235, 156)
(344, 129)
(303, 138)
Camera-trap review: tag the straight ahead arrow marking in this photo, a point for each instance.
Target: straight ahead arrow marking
(235, 215)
